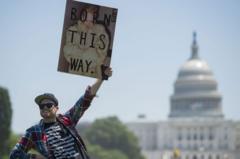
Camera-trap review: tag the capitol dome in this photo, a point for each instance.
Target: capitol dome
(195, 90)
(194, 66)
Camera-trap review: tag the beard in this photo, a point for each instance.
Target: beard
(48, 114)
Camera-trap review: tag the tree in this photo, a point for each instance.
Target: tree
(5, 120)
(97, 152)
(12, 142)
(111, 134)
(14, 138)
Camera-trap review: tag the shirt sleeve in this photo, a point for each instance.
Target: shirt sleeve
(76, 112)
(20, 151)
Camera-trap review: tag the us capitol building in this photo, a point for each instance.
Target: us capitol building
(196, 127)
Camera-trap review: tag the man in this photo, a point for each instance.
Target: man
(55, 137)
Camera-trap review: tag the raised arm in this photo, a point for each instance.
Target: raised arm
(75, 113)
(98, 83)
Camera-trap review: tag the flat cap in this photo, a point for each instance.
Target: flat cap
(49, 96)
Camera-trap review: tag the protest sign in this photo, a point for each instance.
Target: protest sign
(87, 38)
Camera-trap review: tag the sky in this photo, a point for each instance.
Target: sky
(152, 40)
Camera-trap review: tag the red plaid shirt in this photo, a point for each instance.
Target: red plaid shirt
(35, 137)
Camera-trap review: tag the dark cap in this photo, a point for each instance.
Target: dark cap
(49, 96)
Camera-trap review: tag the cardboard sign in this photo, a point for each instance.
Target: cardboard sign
(87, 39)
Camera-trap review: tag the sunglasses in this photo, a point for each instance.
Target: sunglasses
(48, 105)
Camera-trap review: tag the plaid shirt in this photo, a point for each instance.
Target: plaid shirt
(35, 137)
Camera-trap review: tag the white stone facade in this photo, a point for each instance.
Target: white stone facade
(196, 138)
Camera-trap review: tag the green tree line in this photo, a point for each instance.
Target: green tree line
(110, 136)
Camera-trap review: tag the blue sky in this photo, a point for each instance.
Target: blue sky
(152, 41)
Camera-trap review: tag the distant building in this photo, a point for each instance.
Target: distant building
(196, 127)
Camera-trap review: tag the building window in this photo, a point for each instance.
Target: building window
(211, 137)
(188, 146)
(226, 137)
(188, 136)
(179, 137)
(195, 136)
(210, 146)
(226, 146)
(195, 147)
(180, 146)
